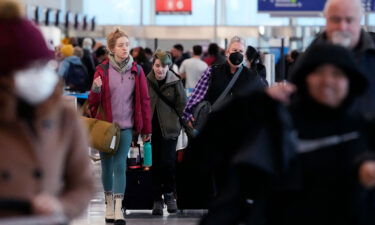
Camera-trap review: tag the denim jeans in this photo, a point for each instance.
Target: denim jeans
(114, 168)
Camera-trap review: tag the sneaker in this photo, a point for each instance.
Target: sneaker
(157, 209)
(171, 203)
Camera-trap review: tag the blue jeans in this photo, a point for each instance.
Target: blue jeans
(114, 168)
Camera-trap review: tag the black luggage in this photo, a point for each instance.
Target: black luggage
(138, 193)
(194, 190)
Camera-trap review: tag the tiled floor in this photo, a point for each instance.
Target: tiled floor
(95, 216)
(95, 212)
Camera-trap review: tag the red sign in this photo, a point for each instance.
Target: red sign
(173, 6)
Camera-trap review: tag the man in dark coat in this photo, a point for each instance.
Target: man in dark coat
(321, 173)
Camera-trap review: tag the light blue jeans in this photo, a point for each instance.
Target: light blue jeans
(114, 168)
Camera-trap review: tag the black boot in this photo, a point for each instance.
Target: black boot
(171, 203)
(157, 209)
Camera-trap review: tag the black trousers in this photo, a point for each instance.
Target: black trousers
(163, 162)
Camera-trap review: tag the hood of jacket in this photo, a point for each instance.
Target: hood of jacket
(170, 78)
(74, 59)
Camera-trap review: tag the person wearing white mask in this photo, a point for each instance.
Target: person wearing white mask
(166, 128)
(43, 156)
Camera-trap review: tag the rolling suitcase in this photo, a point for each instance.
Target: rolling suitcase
(194, 191)
(138, 193)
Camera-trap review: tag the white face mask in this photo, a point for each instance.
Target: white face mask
(341, 38)
(35, 85)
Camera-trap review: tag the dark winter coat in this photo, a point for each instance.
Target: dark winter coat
(301, 170)
(88, 61)
(365, 56)
(284, 185)
(247, 81)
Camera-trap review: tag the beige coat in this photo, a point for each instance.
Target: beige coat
(52, 159)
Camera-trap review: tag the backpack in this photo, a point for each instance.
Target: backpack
(77, 78)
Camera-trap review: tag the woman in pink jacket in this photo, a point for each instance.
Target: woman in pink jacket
(120, 87)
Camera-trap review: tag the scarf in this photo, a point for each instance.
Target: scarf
(123, 66)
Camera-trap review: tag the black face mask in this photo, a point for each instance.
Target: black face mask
(236, 58)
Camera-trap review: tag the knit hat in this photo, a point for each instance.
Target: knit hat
(21, 42)
(325, 53)
(67, 50)
(164, 57)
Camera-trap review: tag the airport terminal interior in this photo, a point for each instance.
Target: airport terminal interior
(209, 112)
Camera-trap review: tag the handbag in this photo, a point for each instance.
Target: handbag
(103, 136)
(182, 140)
(204, 108)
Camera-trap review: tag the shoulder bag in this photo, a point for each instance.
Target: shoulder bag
(204, 108)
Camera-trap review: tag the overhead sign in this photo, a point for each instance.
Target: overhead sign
(301, 6)
(291, 5)
(173, 6)
(369, 5)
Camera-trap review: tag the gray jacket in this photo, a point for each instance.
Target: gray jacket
(174, 91)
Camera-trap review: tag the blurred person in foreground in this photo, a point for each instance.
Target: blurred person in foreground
(43, 157)
(311, 162)
(343, 27)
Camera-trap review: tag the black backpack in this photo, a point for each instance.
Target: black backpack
(77, 78)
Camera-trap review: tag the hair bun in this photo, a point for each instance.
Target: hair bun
(10, 9)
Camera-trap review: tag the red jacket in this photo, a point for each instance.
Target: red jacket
(142, 109)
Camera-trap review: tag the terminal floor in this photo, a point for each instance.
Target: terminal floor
(94, 214)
